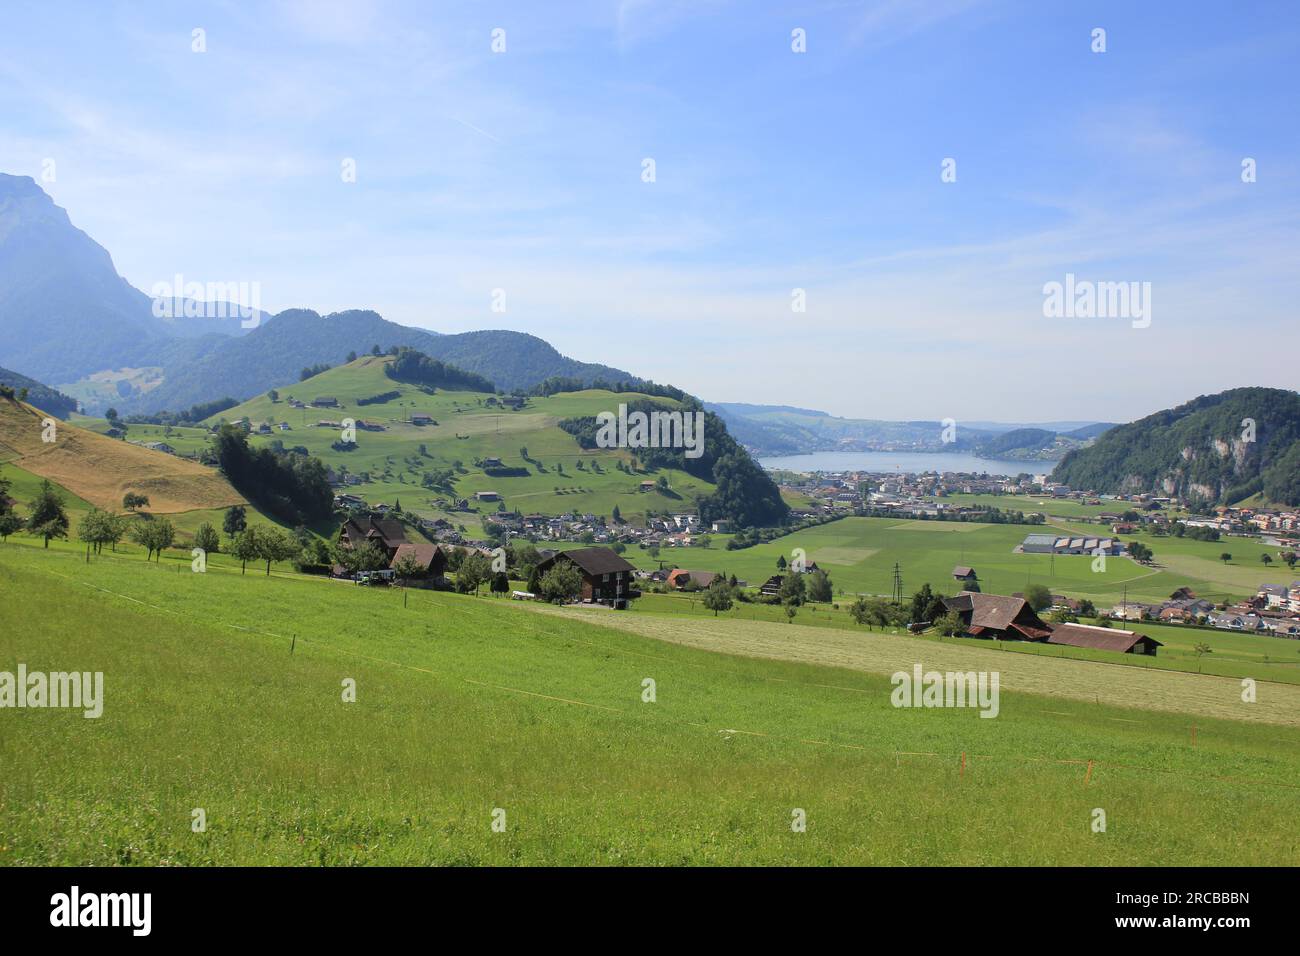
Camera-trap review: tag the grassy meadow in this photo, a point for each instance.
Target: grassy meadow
(465, 705)
(101, 470)
(859, 554)
(561, 477)
(24, 486)
(188, 440)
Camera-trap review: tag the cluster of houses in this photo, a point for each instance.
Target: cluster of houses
(1260, 521)
(917, 494)
(670, 531)
(1279, 527)
(606, 577)
(1273, 610)
(906, 495)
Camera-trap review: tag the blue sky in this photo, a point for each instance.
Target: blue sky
(774, 170)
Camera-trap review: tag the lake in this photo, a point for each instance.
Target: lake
(910, 462)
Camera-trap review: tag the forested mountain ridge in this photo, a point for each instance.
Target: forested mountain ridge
(39, 395)
(1214, 449)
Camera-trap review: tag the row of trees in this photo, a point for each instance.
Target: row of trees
(97, 528)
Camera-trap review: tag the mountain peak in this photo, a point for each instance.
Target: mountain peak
(20, 187)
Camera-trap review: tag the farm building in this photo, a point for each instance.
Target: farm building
(1103, 639)
(680, 578)
(998, 616)
(606, 577)
(772, 586)
(385, 533)
(487, 496)
(431, 557)
(965, 575)
(1069, 544)
(1039, 544)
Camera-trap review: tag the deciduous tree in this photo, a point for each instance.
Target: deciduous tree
(48, 519)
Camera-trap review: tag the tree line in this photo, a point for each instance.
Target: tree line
(293, 488)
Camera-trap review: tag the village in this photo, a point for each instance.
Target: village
(608, 578)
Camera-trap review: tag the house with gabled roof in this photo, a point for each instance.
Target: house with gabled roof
(1103, 639)
(965, 575)
(680, 578)
(385, 533)
(997, 616)
(606, 575)
(431, 557)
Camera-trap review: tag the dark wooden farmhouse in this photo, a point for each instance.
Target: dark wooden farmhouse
(384, 533)
(998, 616)
(606, 577)
(1012, 619)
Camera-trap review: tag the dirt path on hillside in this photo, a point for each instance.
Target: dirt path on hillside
(1117, 685)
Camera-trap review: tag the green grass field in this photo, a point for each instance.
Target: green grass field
(465, 705)
(859, 554)
(1230, 655)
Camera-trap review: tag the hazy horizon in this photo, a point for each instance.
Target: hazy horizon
(775, 170)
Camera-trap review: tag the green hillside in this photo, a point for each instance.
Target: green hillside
(465, 706)
(1215, 449)
(471, 426)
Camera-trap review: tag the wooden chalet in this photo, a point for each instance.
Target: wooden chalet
(606, 577)
(387, 534)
